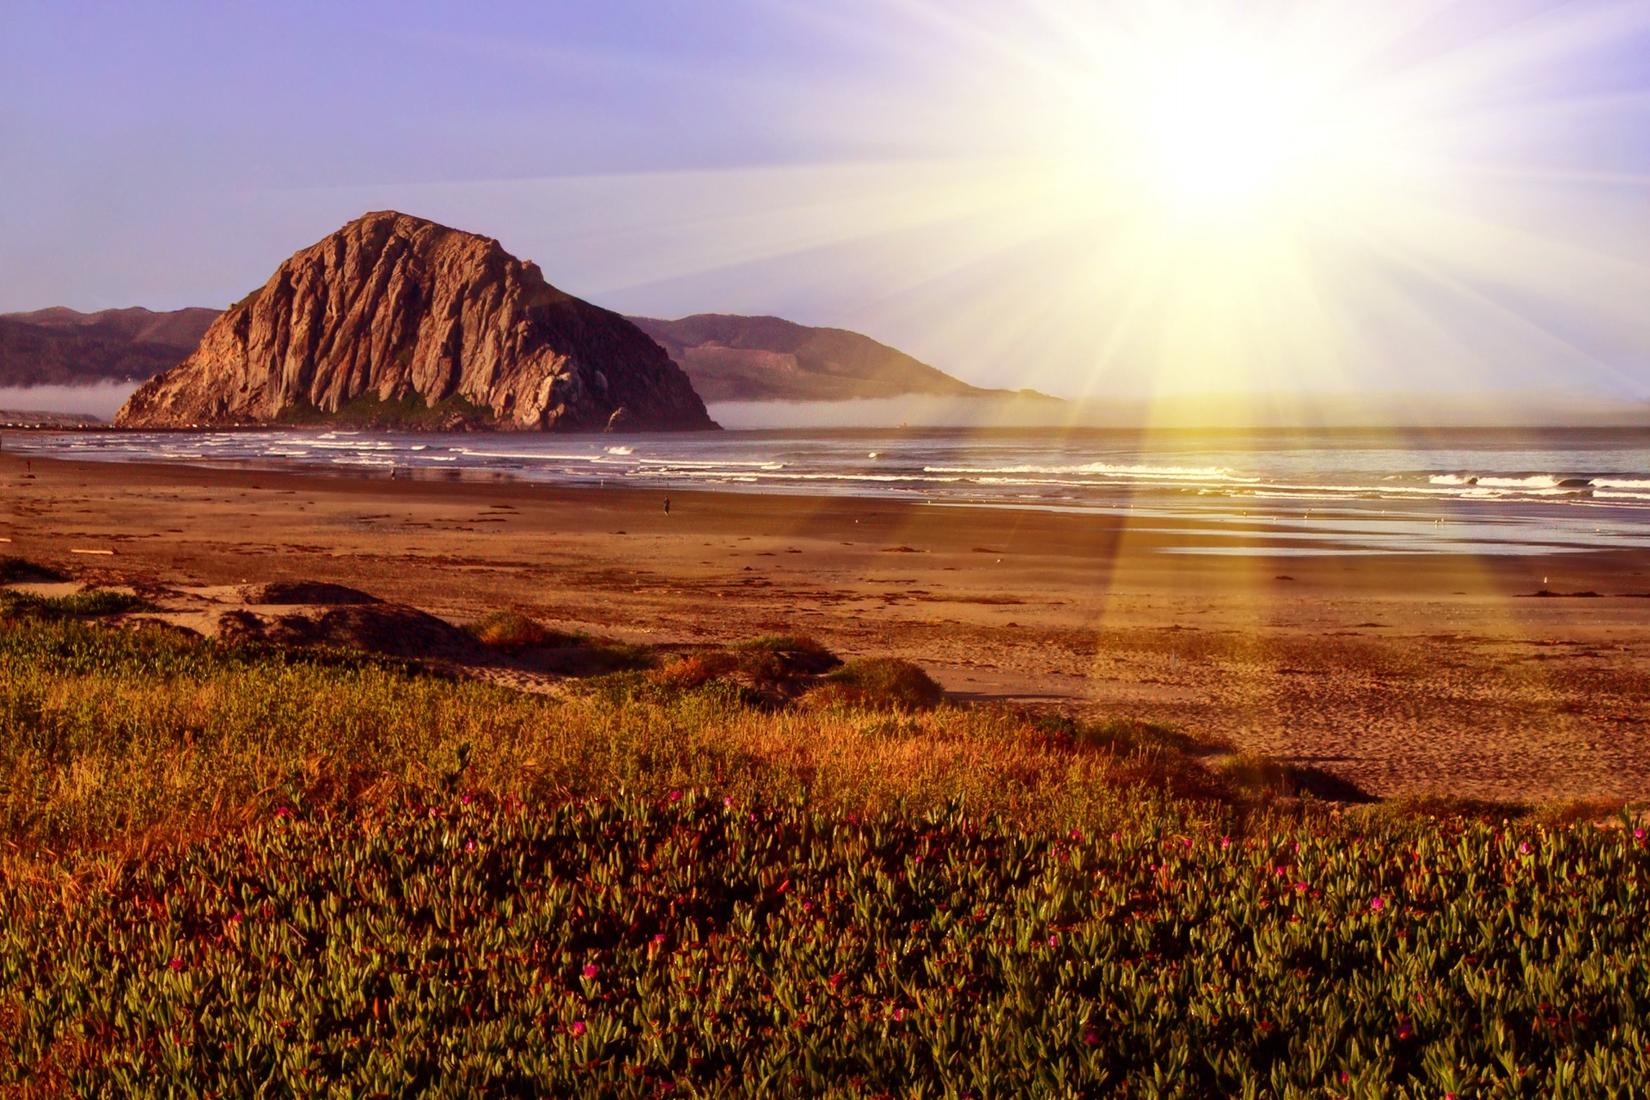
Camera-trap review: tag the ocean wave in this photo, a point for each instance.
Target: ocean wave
(621, 450)
(535, 456)
(1529, 482)
(1167, 473)
(772, 475)
(710, 464)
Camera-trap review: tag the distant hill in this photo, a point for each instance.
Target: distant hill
(60, 346)
(733, 358)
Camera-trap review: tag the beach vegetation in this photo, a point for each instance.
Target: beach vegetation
(92, 603)
(15, 570)
(880, 682)
(324, 871)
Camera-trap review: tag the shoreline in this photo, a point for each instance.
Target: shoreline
(1403, 673)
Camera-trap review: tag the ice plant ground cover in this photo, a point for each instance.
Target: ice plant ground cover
(227, 870)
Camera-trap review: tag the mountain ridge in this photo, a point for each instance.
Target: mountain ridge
(62, 346)
(737, 357)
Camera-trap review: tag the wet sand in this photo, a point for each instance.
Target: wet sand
(1405, 674)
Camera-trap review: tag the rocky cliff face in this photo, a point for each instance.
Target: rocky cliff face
(394, 321)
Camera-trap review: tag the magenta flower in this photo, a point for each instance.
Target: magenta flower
(590, 970)
(676, 796)
(1225, 843)
(577, 1028)
(1053, 939)
(282, 811)
(175, 963)
(1091, 1037)
(1523, 847)
(1377, 903)
(1404, 1030)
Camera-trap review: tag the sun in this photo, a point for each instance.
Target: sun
(1221, 136)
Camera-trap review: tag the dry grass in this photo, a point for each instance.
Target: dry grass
(118, 738)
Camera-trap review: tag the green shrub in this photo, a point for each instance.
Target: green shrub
(21, 570)
(511, 630)
(882, 682)
(91, 604)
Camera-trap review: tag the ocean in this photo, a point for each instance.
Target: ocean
(1350, 491)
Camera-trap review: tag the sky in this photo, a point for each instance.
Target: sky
(1089, 199)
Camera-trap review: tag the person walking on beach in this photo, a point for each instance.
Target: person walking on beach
(667, 506)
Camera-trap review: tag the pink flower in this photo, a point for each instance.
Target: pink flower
(175, 963)
(1404, 1030)
(1523, 847)
(1091, 1037)
(1377, 903)
(469, 845)
(1053, 939)
(282, 811)
(899, 1014)
(1225, 843)
(590, 970)
(1638, 834)
(577, 1028)
(676, 796)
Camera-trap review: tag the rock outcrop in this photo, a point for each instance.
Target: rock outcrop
(395, 321)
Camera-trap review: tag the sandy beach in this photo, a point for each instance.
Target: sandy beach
(1405, 674)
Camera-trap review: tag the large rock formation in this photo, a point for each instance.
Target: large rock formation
(394, 321)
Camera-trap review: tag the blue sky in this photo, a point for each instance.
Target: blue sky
(879, 166)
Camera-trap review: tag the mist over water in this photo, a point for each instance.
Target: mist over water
(892, 412)
(101, 399)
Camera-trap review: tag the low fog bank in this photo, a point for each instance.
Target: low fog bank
(894, 412)
(1302, 410)
(101, 399)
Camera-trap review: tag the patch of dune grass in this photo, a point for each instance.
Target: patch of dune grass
(91, 604)
(116, 736)
(881, 682)
(511, 630)
(14, 570)
(569, 653)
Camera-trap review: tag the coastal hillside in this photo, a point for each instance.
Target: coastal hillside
(733, 358)
(395, 321)
(726, 357)
(60, 346)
